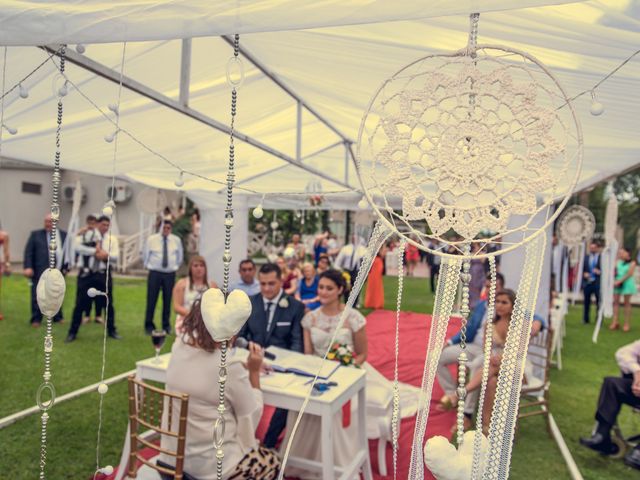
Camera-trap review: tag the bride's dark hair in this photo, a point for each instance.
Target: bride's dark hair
(336, 277)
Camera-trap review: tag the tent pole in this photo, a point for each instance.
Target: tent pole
(185, 71)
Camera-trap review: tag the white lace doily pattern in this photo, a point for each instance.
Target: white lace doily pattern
(462, 144)
(576, 225)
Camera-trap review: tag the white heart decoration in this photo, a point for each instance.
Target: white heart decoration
(50, 292)
(224, 320)
(448, 463)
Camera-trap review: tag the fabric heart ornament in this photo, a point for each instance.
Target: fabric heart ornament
(448, 463)
(50, 292)
(224, 320)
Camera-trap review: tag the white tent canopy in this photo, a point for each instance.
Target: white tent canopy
(330, 56)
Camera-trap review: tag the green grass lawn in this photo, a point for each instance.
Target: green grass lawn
(73, 426)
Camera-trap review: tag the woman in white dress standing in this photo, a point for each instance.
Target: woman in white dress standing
(318, 328)
(190, 288)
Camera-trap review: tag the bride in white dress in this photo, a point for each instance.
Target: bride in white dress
(319, 326)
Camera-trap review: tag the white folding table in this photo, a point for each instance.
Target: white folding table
(351, 383)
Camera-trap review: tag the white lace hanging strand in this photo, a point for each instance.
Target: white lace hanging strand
(395, 416)
(445, 294)
(477, 438)
(507, 399)
(378, 237)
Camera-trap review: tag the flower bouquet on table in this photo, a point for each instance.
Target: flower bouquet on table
(343, 353)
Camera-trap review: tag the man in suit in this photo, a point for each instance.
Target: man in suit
(615, 392)
(275, 320)
(163, 255)
(591, 282)
(93, 272)
(36, 261)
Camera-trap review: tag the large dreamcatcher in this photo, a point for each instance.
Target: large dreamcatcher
(460, 153)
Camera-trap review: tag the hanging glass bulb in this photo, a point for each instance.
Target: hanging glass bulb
(24, 93)
(63, 90)
(597, 108)
(80, 48)
(108, 208)
(180, 181)
(93, 292)
(258, 212)
(110, 137)
(9, 129)
(274, 225)
(363, 204)
(114, 108)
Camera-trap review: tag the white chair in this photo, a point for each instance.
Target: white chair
(379, 415)
(557, 319)
(535, 393)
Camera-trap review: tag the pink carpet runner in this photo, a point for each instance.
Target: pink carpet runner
(414, 332)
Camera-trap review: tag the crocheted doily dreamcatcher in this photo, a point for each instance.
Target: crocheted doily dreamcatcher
(575, 226)
(456, 145)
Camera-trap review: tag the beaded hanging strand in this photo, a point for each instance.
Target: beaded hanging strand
(395, 416)
(219, 426)
(465, 278)
(47, 386)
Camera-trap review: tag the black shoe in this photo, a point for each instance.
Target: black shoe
(633, 458)
(70, 338)
(148, 331)
(114, 335)
(600, 444)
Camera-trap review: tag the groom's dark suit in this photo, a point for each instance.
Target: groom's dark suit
(284, 331)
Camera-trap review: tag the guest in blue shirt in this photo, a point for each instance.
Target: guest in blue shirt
(163, 255)
(247, 283)
(308, 288)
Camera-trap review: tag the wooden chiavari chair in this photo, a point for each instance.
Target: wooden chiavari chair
(154, 409)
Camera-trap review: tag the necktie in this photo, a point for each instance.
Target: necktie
(353, 255)
(165, 253)
(267, 310)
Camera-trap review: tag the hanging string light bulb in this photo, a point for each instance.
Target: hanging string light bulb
(114, 108)
(274, 223)
(80, 48)
(9, 129)
(108, 208)
(597, 108)
(180, 180)
(24, 93)
(258, 212)
(64, 89)
(111, 136)
(363, 204)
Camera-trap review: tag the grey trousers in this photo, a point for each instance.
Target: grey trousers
(448, 383)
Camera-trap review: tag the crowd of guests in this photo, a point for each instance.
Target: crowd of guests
(297, 302)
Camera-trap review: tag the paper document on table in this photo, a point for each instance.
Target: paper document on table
(277, 380)
(300, 364)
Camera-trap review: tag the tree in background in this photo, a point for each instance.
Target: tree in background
(627, 190)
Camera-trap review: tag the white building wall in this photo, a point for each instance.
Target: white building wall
(20, 213)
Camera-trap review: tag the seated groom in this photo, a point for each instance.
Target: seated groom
(615, 392)
(275, 320)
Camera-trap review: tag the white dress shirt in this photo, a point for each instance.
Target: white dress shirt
(628, 357)
(272, 311)
(108, 242)
(152, 255)
(348, 258)
(248, 288)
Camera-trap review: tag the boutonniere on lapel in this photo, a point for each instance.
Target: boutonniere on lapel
(283, 303)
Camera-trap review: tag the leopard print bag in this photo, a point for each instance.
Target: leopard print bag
(258, 464)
